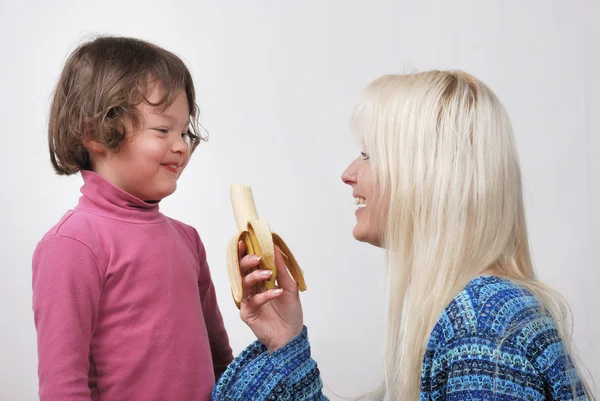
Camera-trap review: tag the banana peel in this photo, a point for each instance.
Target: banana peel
(259, 240)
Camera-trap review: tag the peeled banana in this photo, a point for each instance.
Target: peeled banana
(259, 240)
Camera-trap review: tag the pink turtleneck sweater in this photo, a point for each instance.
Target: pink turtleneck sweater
(124, 304)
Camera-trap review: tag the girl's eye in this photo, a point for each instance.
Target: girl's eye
(162, 130)
(188, 138)
(364, 156)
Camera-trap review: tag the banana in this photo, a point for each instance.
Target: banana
(260, 241)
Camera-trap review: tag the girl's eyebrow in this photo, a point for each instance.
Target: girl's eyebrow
(171, 118)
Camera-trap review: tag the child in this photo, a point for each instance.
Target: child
(123, 301)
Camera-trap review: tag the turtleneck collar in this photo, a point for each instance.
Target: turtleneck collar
(103, 198)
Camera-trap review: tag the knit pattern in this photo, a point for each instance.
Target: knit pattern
(492, 342)
(284, 375)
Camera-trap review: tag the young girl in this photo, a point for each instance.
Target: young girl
(439, 187)
(123, 300)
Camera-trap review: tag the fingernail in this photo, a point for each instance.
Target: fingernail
(277, 291)
(266, 273)
(256, 258)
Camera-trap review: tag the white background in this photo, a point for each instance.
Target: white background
(276, 82)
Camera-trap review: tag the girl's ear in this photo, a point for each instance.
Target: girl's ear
(92, 146)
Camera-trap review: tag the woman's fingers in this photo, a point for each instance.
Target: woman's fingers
(258, 300)
(252, 279)
(248, 264)
(251, 276)
(241, 249)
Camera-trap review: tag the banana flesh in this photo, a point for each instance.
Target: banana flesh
(259, 240)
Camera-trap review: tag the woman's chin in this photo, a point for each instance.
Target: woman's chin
(358, 234)
(365, 236)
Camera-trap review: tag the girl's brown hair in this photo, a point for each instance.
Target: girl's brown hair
(100, 85)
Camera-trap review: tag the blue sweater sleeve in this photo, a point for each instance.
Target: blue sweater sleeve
(286, 374)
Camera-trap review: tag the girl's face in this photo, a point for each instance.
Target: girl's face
(150, 159)
(369, 227)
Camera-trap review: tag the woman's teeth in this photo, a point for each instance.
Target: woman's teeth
(360, 202)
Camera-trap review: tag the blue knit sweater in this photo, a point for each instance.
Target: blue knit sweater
(490, 343)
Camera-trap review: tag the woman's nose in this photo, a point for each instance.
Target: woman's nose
(349, 175)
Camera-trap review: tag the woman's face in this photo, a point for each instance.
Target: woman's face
(369, 227)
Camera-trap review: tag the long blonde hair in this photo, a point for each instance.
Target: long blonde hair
(444, 160)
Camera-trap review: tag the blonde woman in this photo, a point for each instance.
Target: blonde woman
(439, 187)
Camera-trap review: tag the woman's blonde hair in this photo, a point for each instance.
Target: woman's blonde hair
(444, 161)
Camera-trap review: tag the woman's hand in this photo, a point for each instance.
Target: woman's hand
(275, 316)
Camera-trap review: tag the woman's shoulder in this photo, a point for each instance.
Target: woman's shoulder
(495, 309)
(497, 328)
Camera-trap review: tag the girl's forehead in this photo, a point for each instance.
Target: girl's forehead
(175, 109)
